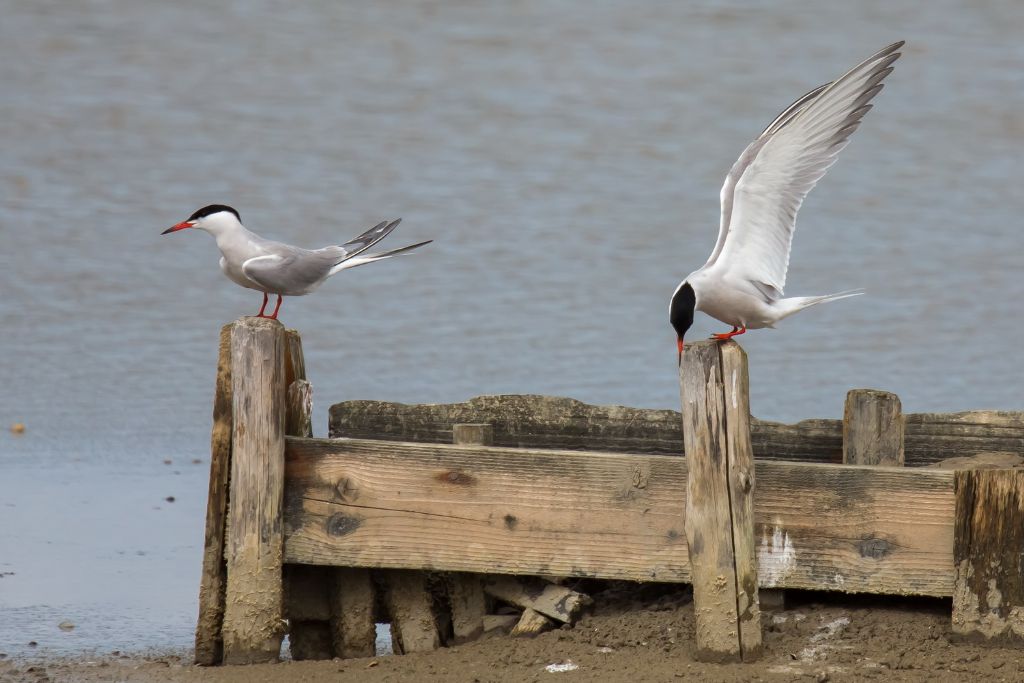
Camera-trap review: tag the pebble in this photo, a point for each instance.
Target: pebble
(65, 625)
(169, 499)
(17, 428)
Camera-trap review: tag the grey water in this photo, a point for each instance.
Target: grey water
(566, 158)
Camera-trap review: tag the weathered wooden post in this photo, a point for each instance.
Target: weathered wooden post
(719, 501)
(253, 612)
(872, 428)
(209, 643)
(988, 552)
(466, 591)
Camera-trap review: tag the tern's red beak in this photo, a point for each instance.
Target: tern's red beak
(179, 226)
(679, 343)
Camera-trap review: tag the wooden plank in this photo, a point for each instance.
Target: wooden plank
(549, 599)
(530, 421)
(988, 551)
(209, 648)
(413, 626)
(531, 623)
(253, 604)
(607, 515)
(741, 478)
(352, 607)
(500, 622)
(708, 523)
(873, 428)
(469, 605)
(484, 509)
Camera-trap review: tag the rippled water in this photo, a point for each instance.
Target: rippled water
(566, 157)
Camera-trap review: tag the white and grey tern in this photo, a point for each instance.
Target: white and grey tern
(742, 282)
(276, 268)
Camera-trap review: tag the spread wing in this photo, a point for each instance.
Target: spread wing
(768, 183)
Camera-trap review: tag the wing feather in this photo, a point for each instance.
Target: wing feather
(768, 184)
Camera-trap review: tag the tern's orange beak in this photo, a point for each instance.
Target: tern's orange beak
(179, 226)
(679, 343)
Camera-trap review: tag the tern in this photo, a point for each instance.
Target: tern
(276, 268)
(741, 284)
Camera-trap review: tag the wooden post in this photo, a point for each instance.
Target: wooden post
(209, 643)
(466, 591)
(719, 501)
(353, 627)
(988, 552)
(299, 409)
(413, 627)
(472, 433)
(253, 623)
(872, 428)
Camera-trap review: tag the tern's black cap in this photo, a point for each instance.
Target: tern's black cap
(212, 209)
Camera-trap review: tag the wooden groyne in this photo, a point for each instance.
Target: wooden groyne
(424, 516)
(533, 421)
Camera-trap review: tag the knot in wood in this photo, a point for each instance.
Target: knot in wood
(340, 524)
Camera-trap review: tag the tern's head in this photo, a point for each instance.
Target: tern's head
(214, 219)
(680, 312)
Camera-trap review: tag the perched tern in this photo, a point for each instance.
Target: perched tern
(741, 283)
(275, 268)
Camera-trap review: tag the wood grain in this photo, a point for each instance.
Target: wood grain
(531, 623)
(988, 550)
(742, 485)
(608, 515)
(253, 624)
(873, 428)
(481, 509)
(209, 649)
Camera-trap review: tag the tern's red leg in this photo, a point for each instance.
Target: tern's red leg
(276, 308)
(263, 307)
(729, 335)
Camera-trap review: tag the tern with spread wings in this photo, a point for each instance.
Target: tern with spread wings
(276, 268)
(741, 284)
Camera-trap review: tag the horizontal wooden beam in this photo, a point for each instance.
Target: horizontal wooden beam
(619, 516)
(532, 421)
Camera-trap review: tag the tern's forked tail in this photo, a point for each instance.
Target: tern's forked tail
(363, 259)
(796, 304)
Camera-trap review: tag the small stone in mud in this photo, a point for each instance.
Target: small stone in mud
(65, 625)
(17, 428)
(197, 461)
(168, 461)
(169, 499)
(32, 643)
